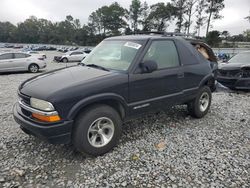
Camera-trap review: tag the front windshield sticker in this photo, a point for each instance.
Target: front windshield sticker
(132, 45)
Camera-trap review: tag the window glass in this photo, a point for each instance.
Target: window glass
(164, 53)
(19, 55)
(6, 56)
(117, 55)
(243, 58)
(76, 53)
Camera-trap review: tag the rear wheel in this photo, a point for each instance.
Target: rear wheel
(97, 130)
(33, 68)
(201, 104)
(64, 60)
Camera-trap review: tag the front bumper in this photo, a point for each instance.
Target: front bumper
(57, 58)
(234, 82)
(57, 133)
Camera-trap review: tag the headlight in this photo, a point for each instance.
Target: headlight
(41, 104)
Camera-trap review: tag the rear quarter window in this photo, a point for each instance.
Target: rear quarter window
(19, 55)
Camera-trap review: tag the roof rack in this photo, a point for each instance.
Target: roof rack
(163, 33)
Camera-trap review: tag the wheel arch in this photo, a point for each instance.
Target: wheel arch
(209, 81)
(115, 101)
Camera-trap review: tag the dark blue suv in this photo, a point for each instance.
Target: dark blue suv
(122, 78)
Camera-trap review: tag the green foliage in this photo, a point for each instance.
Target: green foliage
(108, 19)
(213, 38)
(213, 9)
(180, 7)
(160, 14)
(135, 11)
(7, 32)
(113, 20)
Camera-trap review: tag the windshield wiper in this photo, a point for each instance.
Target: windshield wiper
(97, 66)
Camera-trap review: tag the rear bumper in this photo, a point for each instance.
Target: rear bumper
(43, 66)
(59, 133)
(232, 82)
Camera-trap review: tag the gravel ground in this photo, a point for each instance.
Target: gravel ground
(166, 149)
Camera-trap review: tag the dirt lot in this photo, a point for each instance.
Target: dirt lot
(167, 149)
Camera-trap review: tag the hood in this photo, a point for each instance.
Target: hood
(232, 66)
(44, 85)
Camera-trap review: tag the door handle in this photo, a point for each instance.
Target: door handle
(180, 75)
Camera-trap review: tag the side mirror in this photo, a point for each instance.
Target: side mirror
(148, 66)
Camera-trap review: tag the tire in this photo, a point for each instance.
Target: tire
(65, 60)
(201, 104)
(88, 136)
(33, 68)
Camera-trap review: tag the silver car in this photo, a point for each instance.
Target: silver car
(73, 56)
(17, 61)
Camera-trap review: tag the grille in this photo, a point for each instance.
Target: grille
(229, 73)
(24, 98)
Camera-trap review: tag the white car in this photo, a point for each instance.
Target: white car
(73, 56)
(17, 61)
(35, 52)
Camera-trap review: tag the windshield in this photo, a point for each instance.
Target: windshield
(117, 55)
(242, 58)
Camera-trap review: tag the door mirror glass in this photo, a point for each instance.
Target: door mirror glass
(148, 66)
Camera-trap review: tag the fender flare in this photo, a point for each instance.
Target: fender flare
(93, 99)
(205, 79)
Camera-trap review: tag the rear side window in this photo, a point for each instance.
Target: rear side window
(164, 53)
(76, 53)
(20, 55)
(6, 56)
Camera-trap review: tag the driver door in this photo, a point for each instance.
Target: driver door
(161, 87)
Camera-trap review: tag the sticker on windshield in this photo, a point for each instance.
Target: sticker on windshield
(132, 45)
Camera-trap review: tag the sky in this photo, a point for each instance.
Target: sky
(56, 10)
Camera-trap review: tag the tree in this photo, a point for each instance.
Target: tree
(159, 16)
(135, 11)
(109, 18)
(190, 11)
(248, 17)
(246, 34)
(213, 9)
(213, 38)
(144, 14)
(179, 10)
(225, 35)
(7, 32)
(200, 18)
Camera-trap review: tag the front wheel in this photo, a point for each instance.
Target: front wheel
(33, 68)
(97, 130)
(201, 104)
(64, 60)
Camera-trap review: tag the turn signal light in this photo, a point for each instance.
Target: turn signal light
(46, 118)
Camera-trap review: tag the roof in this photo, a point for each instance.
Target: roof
(153, 35)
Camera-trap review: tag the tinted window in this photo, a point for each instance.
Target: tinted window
(164, 53)
(76, 53)
(20, 55)
(6, 56)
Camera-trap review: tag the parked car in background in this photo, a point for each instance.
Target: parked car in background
(36, 52)
(235, 74)
(76, 56)
(12, 62)
(86, 104)
(44, 48)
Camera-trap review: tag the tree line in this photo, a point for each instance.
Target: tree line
(112, 20)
